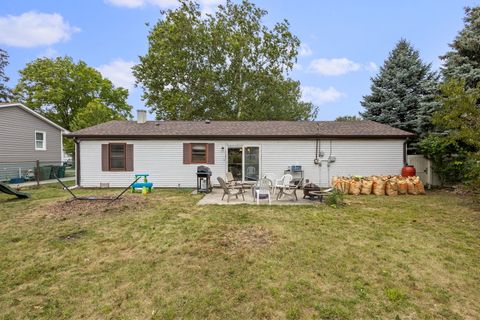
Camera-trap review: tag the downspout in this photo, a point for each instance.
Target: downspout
(77, 161)
(317, 153)
(405, 152)
(329, 161)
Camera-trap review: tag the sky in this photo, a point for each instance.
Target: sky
(344, 42)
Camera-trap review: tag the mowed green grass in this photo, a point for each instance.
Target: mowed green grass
(404, 257)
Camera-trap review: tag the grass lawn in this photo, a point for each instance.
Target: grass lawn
(163, 257)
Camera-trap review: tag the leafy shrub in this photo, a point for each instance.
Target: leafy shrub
(335, 199)
(454, 146)
(450, 158)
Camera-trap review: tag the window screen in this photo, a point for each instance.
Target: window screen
(199, 153)
(117, 156)
(40, 140)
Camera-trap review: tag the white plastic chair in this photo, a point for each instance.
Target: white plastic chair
(290, 190)
(262, 188)
(271, 177)
(283, 182)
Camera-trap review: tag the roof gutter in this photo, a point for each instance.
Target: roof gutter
(166, 137)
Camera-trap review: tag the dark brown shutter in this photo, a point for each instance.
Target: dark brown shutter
(187, 153)
(129, 157)
(105, 158)
(211, 153)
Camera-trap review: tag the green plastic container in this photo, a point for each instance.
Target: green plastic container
(61, 172)
(57, 171)
(44, 173)
(53, 172)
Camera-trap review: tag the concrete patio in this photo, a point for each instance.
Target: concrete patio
(215, 197)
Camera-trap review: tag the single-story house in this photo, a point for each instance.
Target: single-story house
(170, 151)
(25, 137)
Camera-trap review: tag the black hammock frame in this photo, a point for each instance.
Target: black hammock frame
(74, 197)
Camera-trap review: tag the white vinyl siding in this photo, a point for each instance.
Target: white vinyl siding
(18, 138)
(163, 160)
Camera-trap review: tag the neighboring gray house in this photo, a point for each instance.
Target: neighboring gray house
(26, 136)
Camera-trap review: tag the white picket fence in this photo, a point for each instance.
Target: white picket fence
(424, 169)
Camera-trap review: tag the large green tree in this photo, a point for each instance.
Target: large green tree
(455, 147)
(61, 89)
(226, 65)
(95, 112)
(5, 92)
(463, 60)
(403, 94)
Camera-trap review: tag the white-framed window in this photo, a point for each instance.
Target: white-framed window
(40, 140)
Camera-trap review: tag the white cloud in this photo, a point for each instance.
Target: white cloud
(333, 67)
(119, 72)
(32, 29)
(305, 50)
(320, 96)
(371, 66)
(339, 66)
(208, 6)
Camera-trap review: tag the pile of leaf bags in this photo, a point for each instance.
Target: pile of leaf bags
(379, 185)
(341, 184)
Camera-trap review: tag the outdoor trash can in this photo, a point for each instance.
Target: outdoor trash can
(44, 172)
(57, 171)
(54, 172)
(61, 172)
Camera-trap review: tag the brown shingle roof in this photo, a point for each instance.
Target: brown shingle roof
(241, 129)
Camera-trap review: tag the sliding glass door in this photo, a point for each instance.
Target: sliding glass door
(244, 162)
(235, 156)
(251, 162)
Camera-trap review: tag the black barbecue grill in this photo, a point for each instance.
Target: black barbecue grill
(203, 179)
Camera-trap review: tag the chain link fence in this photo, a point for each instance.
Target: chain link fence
(26, 171)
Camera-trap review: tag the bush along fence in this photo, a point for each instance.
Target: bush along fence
(19, 172)
(379, 185)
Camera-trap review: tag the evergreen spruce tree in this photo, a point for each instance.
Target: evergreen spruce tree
(403, 93)
(5, 92)
(463, 61)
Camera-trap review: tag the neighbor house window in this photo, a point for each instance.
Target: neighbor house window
(40, 140)
(117, 156)
(199, 153)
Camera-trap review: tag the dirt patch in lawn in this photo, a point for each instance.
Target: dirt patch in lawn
(62, 209)
(237, 241)
(248, 238)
